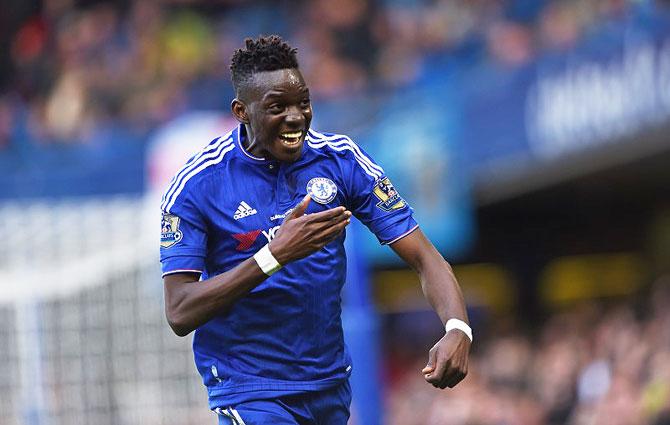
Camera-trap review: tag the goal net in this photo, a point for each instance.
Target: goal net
(84, 338)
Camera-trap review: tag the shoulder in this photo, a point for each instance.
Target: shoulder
(329, 141)
(343, 148)
(190, 176)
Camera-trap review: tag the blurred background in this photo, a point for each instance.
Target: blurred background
(532, 138)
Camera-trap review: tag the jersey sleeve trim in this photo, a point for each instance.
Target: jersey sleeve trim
(180, 271)
(181, 251)
(212, 154)
(341, 143)
(401, 236)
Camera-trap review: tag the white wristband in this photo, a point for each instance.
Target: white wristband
(460, 325)
(266, 261)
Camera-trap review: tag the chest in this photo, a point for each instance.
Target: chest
(246, 206)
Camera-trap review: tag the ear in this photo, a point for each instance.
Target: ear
(239, 110)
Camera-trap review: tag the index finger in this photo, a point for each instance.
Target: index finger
(327, 214)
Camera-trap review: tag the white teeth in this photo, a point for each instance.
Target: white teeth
(292, 135)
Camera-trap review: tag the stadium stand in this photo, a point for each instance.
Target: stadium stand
(598, 363)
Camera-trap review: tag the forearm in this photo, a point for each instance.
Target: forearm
(438, 282)
(442, 291)
(448, 359)
(190, 304)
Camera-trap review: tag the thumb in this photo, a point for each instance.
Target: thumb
(430, 366)
(300, 209)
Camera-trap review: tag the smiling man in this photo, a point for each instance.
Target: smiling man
(252, 252)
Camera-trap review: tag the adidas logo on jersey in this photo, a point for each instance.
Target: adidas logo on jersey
(244, 210)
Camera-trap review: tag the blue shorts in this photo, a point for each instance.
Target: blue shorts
(327, 407)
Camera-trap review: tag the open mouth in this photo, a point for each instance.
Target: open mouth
(291, 139)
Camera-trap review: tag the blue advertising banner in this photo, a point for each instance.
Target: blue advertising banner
(613, 85)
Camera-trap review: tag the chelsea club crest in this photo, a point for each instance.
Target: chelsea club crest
(321, 190)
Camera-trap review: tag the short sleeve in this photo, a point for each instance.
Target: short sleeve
(183, 245)
(375, 201)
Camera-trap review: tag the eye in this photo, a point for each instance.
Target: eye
(306, 103)
(275, 108)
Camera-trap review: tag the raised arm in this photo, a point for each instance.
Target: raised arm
(448, 359)
(190, 303)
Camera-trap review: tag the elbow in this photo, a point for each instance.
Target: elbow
(181, 331)
(177, 324)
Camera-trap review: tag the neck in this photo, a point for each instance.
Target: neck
(250, 144)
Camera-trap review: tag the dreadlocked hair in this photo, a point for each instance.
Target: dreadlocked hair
(268, 53)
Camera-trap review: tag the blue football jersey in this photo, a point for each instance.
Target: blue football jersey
(285, 336)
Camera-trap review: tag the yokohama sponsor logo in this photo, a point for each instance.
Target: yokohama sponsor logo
(270, 233)
(246, 240)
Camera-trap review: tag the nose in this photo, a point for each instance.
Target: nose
(295, 118)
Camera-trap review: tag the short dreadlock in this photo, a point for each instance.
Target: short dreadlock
(268, 53)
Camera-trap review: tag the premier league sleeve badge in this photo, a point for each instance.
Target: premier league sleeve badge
(170, 233)
(389, 198)
(321, 190)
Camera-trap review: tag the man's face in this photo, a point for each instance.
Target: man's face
(277, 108)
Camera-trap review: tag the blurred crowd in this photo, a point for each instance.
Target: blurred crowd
(75, 68)
(590, 365)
